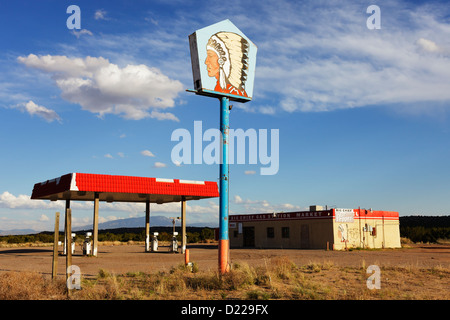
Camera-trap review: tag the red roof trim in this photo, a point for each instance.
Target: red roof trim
(374, 214)
(299, 215)
(144, 185)
(324, 214)
(79, 182)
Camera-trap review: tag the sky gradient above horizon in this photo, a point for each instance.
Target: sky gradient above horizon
(363, 115)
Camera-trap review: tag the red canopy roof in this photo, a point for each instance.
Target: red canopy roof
(83, 186)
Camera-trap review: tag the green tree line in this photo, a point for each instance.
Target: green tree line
(423, 234)
(122, 235)
(425, 228)
(416, 228)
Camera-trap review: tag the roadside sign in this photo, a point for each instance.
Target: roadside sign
(223, 62)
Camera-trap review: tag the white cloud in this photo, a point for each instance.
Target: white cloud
(177, 163)
(134, 91)
(35, 110)
(147, 153)
(160, 165)
(108, 155)
(432, 47)
(237, 199)
(78, 34)
(262, 206)
(163, 116)
(267, 110)
(44, 218)
(428, 45)
(323, 60)
(100, 14)
(22, 201)
(8, 200)
(63, 67)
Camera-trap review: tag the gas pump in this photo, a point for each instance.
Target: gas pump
(72, 249)
(72, 246)
(155, 241)
(174, 242)
(174, 246)
(73, 242)
(87, 244)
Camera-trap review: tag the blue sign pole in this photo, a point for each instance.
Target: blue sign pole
(224, 181)
(223, 66)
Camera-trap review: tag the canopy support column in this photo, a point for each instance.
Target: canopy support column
(147, 226)
(183, 225)
(65, 226)
(55, 247)
(68, 237)
(95, 225)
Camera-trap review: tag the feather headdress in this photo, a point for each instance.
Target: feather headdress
(232, 50)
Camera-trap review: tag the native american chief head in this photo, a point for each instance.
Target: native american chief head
(227, 61)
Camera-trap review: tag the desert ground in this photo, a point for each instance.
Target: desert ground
(415, 272)
(121, 259)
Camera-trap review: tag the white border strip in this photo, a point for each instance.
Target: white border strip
(164, 180)
(192, 182)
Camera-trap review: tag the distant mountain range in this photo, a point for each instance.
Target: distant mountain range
(130, 223)
(14, 232)
(155, 221)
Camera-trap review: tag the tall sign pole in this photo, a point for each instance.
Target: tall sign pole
(223, 66)
(224, 243)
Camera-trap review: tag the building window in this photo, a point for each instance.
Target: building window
(270, 232)
(285, 232)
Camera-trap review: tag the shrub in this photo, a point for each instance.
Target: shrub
(282, 267)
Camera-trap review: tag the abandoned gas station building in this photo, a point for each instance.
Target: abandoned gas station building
(336, 229)
(115, 188)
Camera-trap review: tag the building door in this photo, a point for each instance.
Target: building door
(249, 236)
(304, 236)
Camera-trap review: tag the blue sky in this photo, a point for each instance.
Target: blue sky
(363, 115)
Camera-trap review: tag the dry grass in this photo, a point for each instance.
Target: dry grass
(279, 278)
(4, 244)
(30, 286)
